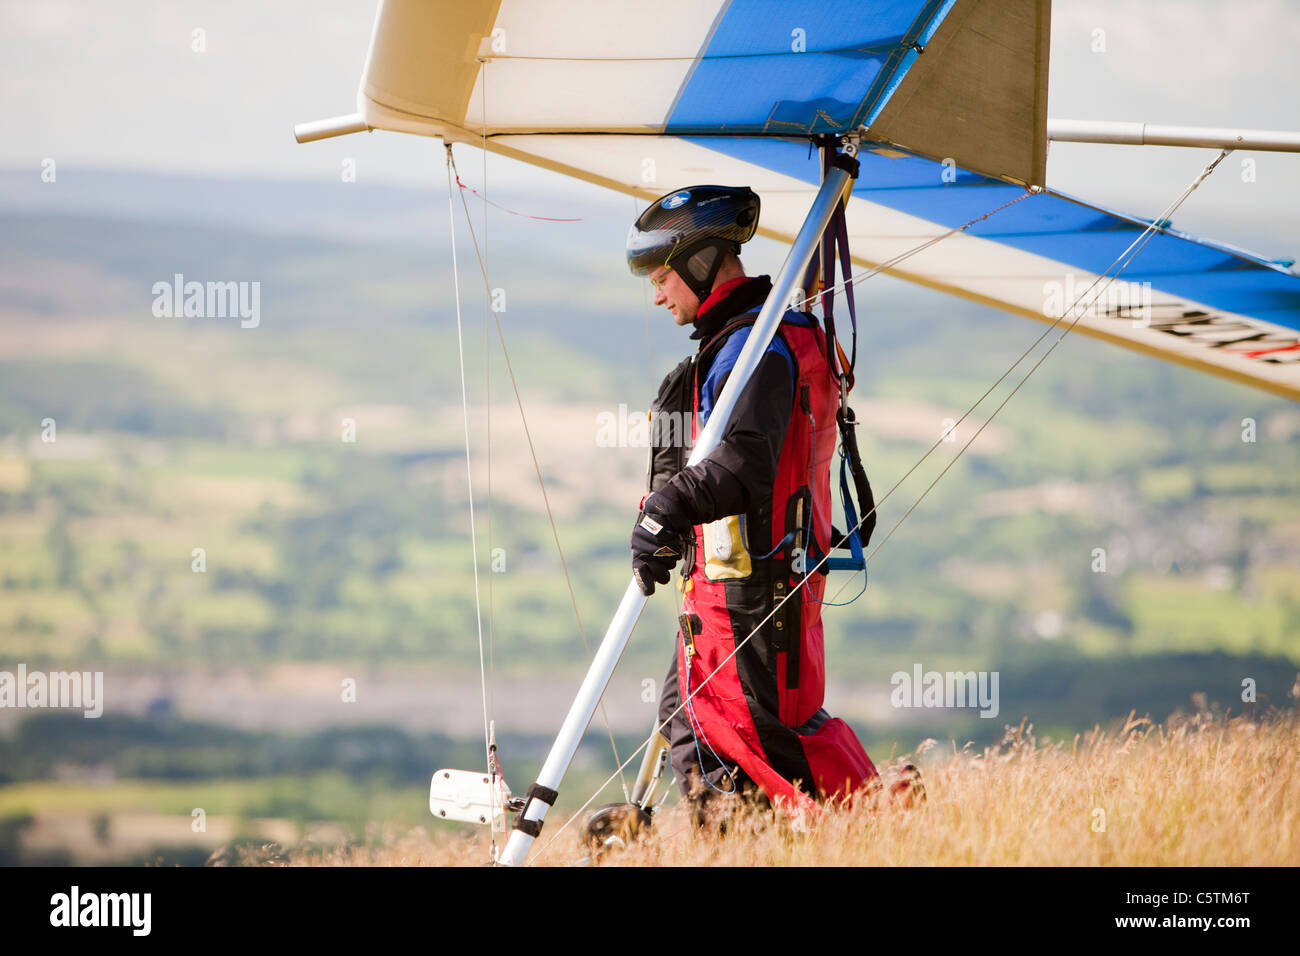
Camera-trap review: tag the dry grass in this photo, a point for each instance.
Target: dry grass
(1199, 790)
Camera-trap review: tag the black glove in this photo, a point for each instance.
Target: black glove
(658, 542)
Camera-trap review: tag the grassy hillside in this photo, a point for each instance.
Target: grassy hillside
(1198, 792)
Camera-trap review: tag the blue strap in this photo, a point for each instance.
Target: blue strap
(850, 514)
(784, 542)
(857, 562)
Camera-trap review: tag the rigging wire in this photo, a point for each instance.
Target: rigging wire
(537, 468)
(523, 215)
(469, 477)
(1122, 261)
(494, 766)
(907, 254)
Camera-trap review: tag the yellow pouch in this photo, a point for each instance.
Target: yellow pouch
(726, 554)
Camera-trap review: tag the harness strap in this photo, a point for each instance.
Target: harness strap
(836, 236)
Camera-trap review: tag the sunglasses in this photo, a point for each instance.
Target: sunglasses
(658, 281)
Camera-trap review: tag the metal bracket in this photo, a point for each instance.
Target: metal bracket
(851, 141)
(468, 797)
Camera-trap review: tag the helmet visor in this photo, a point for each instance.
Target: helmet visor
(647, 251)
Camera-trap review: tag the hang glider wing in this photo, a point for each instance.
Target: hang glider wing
(644, 98)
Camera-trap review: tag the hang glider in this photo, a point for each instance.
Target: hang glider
(929, 122)
(953, 98)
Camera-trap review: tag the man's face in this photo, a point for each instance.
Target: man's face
(672, 293)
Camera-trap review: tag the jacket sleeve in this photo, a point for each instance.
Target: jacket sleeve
(740, 472)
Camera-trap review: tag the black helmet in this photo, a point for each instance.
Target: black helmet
(691, 230)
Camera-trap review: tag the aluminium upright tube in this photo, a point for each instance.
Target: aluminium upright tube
(325, 128)
(832, 190)
(1149, 134)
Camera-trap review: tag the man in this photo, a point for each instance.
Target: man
(745, 519)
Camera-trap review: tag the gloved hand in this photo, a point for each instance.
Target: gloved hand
(658, 542)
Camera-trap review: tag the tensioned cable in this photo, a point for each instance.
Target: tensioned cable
(494, 766)
(1122, 260)
(523, 215)
(469, 477)
(907, 254)
(537, 468)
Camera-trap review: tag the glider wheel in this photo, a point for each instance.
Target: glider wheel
(616, 826)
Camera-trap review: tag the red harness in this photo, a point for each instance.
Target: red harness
(762, 707)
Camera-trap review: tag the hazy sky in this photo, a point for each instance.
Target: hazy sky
(98, 84)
